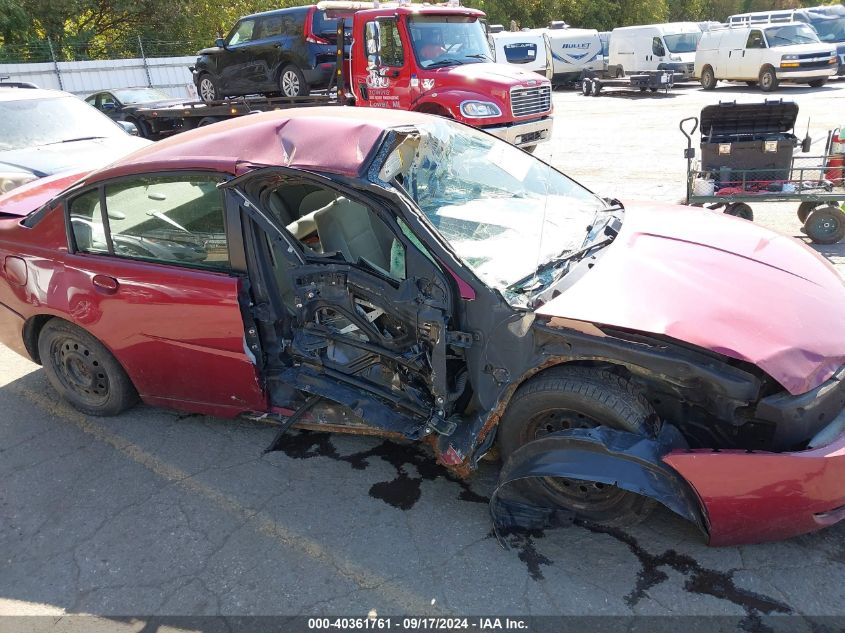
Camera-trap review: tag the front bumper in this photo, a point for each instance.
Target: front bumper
(751, 497)
(805, 74)
(523, 134)
(687, 69)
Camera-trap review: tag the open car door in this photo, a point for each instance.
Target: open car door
(350, 307)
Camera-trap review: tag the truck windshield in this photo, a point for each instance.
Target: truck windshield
(682, 42)
(830, 29)
(504, 212)
(790, 35)
(448, 40)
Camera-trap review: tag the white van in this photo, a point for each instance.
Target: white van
(528, 49)
(764, 54)
(573, 51)
(654, 47)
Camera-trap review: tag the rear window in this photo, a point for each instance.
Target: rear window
(321, 25)
(520, 53)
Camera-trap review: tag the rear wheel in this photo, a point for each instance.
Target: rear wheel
(817, 83)
(83, 371)
(740, 210)
(596, 88)
(292, 82)
(571, 398)
(208, 88)
(208, 120)
(142, 127)
(586, 87)
(804, 210)
(825, 225)
(708, 78)
(768, 79)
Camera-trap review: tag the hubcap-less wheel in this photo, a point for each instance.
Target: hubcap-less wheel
(825, 225)
(579, 494)
(207, 90)
(80, 370)
(290, 84)
(768, 80)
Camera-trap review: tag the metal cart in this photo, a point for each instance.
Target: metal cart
(817, 183)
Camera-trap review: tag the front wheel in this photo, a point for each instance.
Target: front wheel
(208, 89)
(825, 225)
(817, 83)
(292, 82)
(572, 398)
(83, 371)
(768, 79)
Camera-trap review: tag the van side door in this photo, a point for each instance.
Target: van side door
(755, 50)
(658, 53)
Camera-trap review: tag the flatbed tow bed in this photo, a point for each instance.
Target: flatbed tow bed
(592, 82)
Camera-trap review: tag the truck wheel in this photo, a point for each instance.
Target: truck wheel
(207, 121)
(578, 397)
(805, 208)
(292, 82)
(708, 78)
(817, 83)
(208, 88)
(825, 225)
(768, 79)
(596, 88)
(143, 128)
(740, 210)
(83, 371)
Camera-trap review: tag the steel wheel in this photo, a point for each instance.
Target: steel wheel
(79, 370)
(825, 225)
(579, 494)
(768, 79)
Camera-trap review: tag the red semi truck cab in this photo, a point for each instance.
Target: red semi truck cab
(437, 59)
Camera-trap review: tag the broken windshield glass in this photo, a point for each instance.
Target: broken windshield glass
(504, 212)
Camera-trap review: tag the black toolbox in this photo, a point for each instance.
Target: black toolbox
(736, 137)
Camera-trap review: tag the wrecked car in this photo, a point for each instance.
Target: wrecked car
(410, 277)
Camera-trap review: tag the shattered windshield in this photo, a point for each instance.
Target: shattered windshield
(504, 212)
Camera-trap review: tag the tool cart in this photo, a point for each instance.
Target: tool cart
(748, 156)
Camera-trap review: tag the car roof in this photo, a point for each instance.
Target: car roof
(23, 94)
(284, 11)
(337, 140)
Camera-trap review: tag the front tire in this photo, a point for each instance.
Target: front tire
(768, 79)
(817, 83)
(83, 371)
(708, 78)
(578, 397)
(292, 82)
(208, 89)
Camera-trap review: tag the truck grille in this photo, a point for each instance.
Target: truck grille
(528, 101)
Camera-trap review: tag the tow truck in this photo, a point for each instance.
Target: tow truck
(425, 58)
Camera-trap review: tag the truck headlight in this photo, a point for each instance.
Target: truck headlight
(674, 58)
(12, 179)
(480, 109)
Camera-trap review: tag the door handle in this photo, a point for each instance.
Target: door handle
(106, 284)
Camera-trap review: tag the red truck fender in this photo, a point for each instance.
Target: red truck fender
(449, 100)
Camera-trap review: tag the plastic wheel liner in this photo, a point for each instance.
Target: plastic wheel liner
(628, 461)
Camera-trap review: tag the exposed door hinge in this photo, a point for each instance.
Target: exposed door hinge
(459, 339)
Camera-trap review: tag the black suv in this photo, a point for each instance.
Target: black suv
(287, 51)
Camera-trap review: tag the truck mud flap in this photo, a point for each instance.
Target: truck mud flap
(604, 455)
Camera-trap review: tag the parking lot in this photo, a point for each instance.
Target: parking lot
(158, 513)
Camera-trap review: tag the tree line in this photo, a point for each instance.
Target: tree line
(92, 29)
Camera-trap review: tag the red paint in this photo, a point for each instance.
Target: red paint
(26, 198)
(14, 269)
(754, 497)
(719, 283)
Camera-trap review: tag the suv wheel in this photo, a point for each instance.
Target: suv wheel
(570, 398)
(708, 78)
(208, 89)
(768, 79)
(292, 82)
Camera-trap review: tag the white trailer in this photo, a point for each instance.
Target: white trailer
(528, 49)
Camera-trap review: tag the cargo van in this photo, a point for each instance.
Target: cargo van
(765, 54)
(528, 49)
(828, 22)
(654, 47)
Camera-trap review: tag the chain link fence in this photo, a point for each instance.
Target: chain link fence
(125, 48)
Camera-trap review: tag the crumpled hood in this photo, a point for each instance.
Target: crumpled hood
(91, 154)
(719, 283)
(501, 75)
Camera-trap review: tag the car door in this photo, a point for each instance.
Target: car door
(388, 83)
(155, 274)
(354, 306)
(109, 105)
(264, 52)
(752, 59)
(237, 70)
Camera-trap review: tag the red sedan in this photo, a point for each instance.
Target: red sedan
(407, 276)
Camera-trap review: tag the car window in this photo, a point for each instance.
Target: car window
(657, 47)
(242, 33)
(86, 223)
(755, 40)
(392, 52)
(92, 100)
(270, 26)
(165, 219)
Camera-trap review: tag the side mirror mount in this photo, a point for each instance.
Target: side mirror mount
(373, 37)
(220, 42)
(130, 128)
